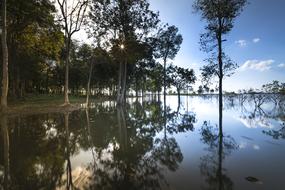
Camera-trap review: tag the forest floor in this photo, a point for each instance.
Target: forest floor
(45, 104)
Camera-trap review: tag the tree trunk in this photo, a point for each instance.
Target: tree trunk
(220, 59)
(122, 127)
(220, 162)
(5, 135)
(124, 77)
(88, 85)
(179, 100)
(69, 182)
(66, 98)
(119, 83)
(5, 78)
(164, 77)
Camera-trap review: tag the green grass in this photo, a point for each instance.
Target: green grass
(32, 104)
(45, 100)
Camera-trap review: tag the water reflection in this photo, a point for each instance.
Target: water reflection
(139, 146)
(276, 134)
(135, 157)
(219, 147)
(5, 178)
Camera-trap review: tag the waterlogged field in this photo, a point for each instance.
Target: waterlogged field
(149, 145)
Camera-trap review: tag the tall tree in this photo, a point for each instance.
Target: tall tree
(168, 44)
(220, 16)
(72, 16)
(5, 78)
(34, 41)
(125, 25)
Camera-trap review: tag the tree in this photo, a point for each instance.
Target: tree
(200, 89)
(125, 26)
(274, 87)
(72, 17)
(220, 16)
(168, 44)
(34, 42)
(5, 77)
(181, 78)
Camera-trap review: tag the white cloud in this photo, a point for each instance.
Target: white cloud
(241, 43)
(257, 65)
(282, 65)
(255, 40)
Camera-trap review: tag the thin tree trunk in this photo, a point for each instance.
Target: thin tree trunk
(69, 182)
(179, 100)
(119, 83)
(124, 77)
(66, 98)
(5, 135)
(5, 77)
(220, 162)
(88, 84)
(122, 127)
(220, 59)
(164, 77)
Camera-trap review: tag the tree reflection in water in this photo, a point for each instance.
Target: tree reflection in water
(33, 152)
(69, 183)
(134, 157)
(132, 147)
(276, 134)
(219, 147)
(5, 180)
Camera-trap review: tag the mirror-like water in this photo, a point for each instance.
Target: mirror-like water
(148, 145)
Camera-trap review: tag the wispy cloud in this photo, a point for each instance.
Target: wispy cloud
(262, 65)
(241, 43)
(256, 40)
(282, 65)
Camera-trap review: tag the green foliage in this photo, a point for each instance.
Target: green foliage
(180, 78)
(167, 43)
(34, 41)
(219, 16)
(274, 87)
(37, 52)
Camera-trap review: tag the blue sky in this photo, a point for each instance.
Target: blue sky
(256, 43)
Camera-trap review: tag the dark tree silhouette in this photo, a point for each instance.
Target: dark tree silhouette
(72, 16)
(5, 77)
(211, 165)
(6, 152)
(125, 26)
(220, 16)
(167, 46)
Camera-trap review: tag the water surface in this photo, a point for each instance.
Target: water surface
(148, 145)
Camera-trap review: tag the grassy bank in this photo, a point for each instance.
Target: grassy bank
(45, 104)
(51, 100)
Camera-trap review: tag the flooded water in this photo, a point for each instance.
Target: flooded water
(149, 145)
